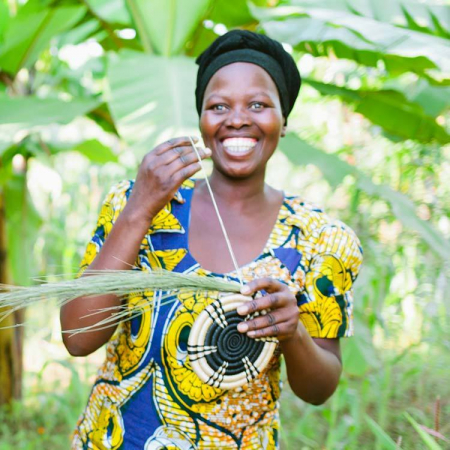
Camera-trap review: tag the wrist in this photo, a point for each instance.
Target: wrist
(136, 217)
(293, 340)
(297, 338)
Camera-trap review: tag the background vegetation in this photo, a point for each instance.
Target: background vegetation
(88, 87)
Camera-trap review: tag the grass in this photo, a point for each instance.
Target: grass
(48, 414)
(384, 396)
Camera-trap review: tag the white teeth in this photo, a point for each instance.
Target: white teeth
(239, 145)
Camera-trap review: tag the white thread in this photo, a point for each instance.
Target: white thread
(224, 231)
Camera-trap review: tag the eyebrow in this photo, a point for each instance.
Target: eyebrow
(251, 94)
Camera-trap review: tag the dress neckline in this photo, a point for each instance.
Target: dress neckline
(266, 249)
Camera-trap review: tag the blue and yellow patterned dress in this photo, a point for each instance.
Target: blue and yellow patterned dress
(146, 395)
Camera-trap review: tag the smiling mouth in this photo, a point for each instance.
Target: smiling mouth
(239, 145)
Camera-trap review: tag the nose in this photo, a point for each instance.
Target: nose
(238, 118)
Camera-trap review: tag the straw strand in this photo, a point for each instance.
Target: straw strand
(222, 225)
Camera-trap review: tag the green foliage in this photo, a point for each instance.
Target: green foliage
(4, 13)
(335, 170)
(111, 11)
(386, 442)
(426, 438)
(46, 420)
(21, 115)
(432, 99)
(30, 32)
(432, 16)
(30, 111)
(391, 110)
(23, 223)
(350, 36)
(96, 152)
(359, 355)
(237, 16)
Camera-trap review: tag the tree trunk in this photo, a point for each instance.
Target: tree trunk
(11, 340)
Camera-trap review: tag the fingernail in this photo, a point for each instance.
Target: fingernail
(245, 290)
(251, 334)
(208, 151)
(242, 310)
(195, 138)
(242, 327)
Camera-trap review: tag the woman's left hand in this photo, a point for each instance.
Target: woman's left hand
(282, 318)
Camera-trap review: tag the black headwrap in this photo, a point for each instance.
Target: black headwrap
(246, 46)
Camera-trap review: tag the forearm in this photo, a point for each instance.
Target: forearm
(119, 252)
(160, 175)
(313, 372)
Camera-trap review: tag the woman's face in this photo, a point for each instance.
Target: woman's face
(241, 120)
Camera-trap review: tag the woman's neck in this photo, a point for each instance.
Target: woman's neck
(237, 192)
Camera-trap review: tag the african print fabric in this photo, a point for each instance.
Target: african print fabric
(146, 395)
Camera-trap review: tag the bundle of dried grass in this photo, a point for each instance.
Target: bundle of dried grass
(101, 282)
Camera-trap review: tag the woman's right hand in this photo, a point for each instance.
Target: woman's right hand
(160, 175)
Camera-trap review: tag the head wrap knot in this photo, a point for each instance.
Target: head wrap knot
(246, 46)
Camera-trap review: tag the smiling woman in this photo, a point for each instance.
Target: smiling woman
(299, 266)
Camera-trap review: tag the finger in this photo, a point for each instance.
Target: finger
(281, 330)
(175, 142)
(183, 161)
(173, 154)
(267, 284)
(275, 330)
(186, 172)
(263, 321)
(270, 301)
(186, 154)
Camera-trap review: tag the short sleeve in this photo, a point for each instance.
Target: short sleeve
(112, 206)
(326, 302)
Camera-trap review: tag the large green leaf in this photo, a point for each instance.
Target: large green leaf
(102, 117)
(362, 39)
(112, 11)
(201, 40)
(433, 99)
(96, 151)
(391, 110)
(334, 170)
(21, 114)
(236, 16)
(34, 111)
(78, 34)
(165, 25)
(151, 94)
(408, 13)
(30, 32)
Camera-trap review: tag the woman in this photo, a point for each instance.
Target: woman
(146, 394)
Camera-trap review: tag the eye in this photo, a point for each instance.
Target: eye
(257, 106)
(218, 107)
